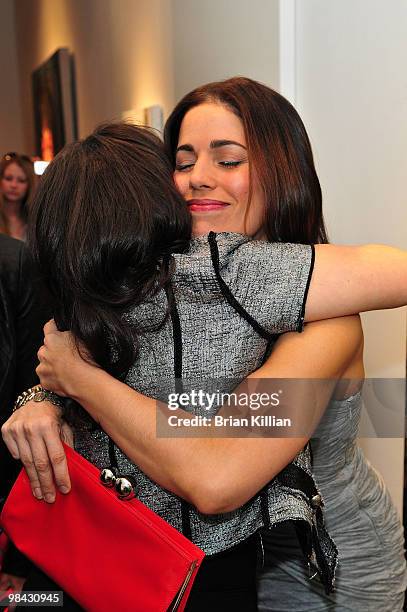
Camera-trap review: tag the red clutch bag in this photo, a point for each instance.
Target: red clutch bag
(106, 552)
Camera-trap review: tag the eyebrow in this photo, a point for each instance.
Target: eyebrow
(214, 144)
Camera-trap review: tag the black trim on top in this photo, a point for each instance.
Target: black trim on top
(176, 332)
(300, 323)
(228, 295)
(294, 477)
(112, 454)
(177, 339)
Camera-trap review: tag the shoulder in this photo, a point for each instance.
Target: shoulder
(237, 247)
(269, 280)
(233, 251)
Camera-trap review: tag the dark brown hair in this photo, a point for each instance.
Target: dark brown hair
(27, 167)
(279, 151)
(104, 221)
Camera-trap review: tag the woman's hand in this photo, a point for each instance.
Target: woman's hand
(33, 434)
(61, 365)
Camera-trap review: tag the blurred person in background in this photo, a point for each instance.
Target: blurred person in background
(24, 308)
(17, 185)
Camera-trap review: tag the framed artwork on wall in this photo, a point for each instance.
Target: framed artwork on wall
(54, 96)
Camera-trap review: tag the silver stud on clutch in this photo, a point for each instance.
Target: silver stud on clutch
(124, 488)
(108, 477)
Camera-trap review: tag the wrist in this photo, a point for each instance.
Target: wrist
(81, 382)
(37, 394)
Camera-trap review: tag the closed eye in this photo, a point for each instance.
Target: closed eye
(183, 167)
(230, 164)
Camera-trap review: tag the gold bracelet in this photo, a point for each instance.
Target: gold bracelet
(37, 394)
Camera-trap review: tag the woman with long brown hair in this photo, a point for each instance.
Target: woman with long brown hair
(263, 287)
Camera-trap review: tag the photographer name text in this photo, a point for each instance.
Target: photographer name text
(229, 421)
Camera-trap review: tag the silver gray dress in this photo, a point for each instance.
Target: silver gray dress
(360, 516)
(270, 281)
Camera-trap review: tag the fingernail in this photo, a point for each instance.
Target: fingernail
(64, 489)
(49, 498)
(37, 493)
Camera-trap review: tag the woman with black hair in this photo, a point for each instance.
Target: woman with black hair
(95, 290)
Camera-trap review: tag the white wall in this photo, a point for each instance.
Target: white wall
(351, 90)
(135, 53)
(218, 39)
(11, 134)
(122, 49)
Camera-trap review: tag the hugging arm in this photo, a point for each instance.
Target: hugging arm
(348, 280)
(295, 286)
(214, 474)
(345, 279)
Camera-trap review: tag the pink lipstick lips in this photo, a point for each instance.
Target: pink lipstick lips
(205, 205)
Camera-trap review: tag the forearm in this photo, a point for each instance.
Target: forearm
(129, 418)
(348, 280)
(214, 474)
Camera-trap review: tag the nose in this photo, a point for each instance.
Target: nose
(201, 176)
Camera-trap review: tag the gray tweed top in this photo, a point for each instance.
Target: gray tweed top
(269, 281)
